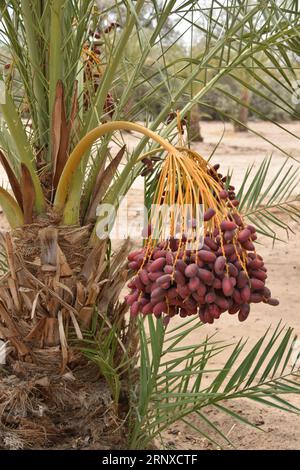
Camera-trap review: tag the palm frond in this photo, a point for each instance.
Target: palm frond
(271, 204)
(172, 386)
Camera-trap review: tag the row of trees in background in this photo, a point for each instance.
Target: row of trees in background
(230, 99)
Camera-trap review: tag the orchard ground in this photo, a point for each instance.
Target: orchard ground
(237, 151)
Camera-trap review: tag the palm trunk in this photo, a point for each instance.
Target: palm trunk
(243, 112)
(195, 131)
(47, 301)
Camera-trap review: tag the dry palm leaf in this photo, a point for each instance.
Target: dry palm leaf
(103, 184)
(28, 194)
(64, 132)
(14, 183)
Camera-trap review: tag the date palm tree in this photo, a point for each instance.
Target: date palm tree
(64, 64)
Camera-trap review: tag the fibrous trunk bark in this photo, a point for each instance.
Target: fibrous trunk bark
(47, 303)
(243, 112)
(195, 131)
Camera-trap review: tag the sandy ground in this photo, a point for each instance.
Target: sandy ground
(281, 430)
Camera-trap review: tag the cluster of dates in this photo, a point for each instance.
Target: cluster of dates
(204, 282)
(224, 275)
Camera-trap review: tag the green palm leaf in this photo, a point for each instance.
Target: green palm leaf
(172, 390)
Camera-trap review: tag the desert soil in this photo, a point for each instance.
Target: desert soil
(237, 151)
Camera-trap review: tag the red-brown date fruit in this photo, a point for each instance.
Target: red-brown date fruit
(148, 308)
(273, 302)
(245, 293)
(159, 254)
(183, 291)
(192, 258)
(134, 309)
(211, 243)
(207, 256)
(183, 313)
(160, 308)
(181, 266)
(235, 202)
(194, 284)
(169, 258)
(138, 284)
(248, 245)
(133, 254)
(244, 312)
(148, 289)
(222, 302)
(238, 265)
(171, 293)
(237, 296)
(168, 269)
(219, 265)
(242, 279)
(154, 276)
(172, 311)
(157, 265)
(258, 274)
(251, 228)
(217, 284)
(218, 240)
(234, 309)
(228, 235)
(233, 271)
(201, 289)
(179, 278)
(229, 249)
(227, 225)
(201, 316)
(210, 297)
(198, 261)
(130, 298)
(223, 194)
(157, 292)
(199, 300)
(227, 286)
(256, 284)
(233, 281)
(131, 285)
(209, 214)
(143, 301)
(238, 220)
(133, 265)
(266, 293)
(206, 276)
(166, 278)
(191, 270)
(143, 275)
(244, 235)
(140, 258)
(176, 302)
(214, 311)
(190, 304)
(165, 285)
(255, 263)
(216, 232)
(256, 298)
(209, 317)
